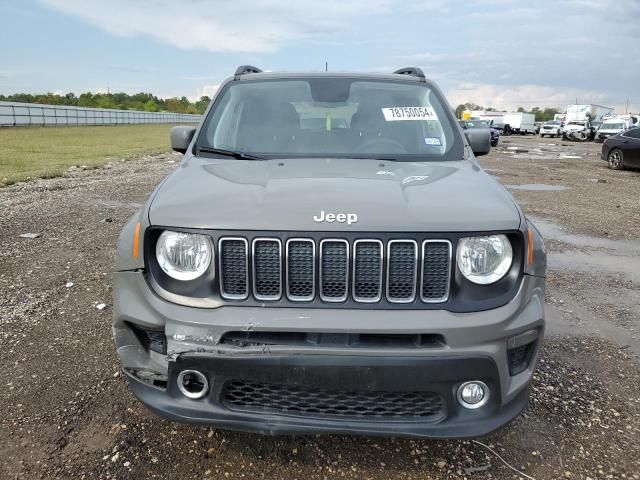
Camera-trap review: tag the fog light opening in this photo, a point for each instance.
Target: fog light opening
(473, 394)
(193, 384)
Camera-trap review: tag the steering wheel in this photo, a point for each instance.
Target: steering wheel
(381, 145)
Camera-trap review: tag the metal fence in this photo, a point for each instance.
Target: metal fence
(14, 114)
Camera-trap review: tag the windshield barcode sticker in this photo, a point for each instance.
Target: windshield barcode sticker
(408, 113)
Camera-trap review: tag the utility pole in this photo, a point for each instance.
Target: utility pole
(626, 109)
(326, 66)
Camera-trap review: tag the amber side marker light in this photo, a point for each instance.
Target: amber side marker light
(136, 241)
(530, 249)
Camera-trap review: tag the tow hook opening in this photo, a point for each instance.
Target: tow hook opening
(193, 384)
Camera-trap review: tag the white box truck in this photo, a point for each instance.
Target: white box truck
(580, 119)
(495, 119)
(520, 122)
(581, 113)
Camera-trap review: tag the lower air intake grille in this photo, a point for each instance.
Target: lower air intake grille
(269, 398)
(519, 358)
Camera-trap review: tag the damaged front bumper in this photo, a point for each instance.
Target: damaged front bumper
(332, 384)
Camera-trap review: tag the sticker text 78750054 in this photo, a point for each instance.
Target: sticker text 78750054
(408, 113)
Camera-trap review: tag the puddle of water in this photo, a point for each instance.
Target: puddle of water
(581, 322)
(598, 257)
(596, 263)
(620, 257)
(570, 156)
(554, 231)
(538, 187)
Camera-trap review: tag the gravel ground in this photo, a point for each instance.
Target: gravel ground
(68, 413)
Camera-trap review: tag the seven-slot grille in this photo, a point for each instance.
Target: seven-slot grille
(334, 270)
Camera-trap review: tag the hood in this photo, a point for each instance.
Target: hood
(286, 195)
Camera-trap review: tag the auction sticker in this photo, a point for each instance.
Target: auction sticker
(432, 141)
(392, 114)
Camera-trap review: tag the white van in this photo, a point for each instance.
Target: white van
(520, 122)
(615, 125)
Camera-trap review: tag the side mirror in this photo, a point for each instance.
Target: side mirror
(478, 146)
(181, 138)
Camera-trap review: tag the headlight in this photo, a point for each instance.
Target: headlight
(484, 260)
(183, 256)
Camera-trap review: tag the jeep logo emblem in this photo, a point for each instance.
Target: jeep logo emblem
(347, 218)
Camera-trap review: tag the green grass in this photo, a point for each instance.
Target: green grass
(43, 152)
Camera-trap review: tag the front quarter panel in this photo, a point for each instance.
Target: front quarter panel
(126, 259)
(539, 267)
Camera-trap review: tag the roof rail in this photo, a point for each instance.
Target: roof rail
(415, 71)
(244, 69)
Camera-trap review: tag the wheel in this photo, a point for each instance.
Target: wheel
(542, 135)
(616, 159)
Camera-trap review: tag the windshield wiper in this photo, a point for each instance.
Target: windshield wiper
(229, 153)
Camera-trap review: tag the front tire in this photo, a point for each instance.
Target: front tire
(616, 159)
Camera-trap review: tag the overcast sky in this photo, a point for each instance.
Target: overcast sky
(500, 53)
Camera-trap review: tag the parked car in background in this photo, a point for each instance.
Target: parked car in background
(582, 121)
(495, 136)
(479, 134)
(578, 131)
(622, 150)
(552, 128)
(537, 126)
(615, 125)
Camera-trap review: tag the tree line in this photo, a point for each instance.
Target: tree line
(541, 115)
(123, 101)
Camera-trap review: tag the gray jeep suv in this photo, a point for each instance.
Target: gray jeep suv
(329, 257)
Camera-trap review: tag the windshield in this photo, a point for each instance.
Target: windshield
(612, 126)
(552, 123)
(332, 116)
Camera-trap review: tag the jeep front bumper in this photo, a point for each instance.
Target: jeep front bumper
(298, 387)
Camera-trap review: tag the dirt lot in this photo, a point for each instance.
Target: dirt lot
(67, 412)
